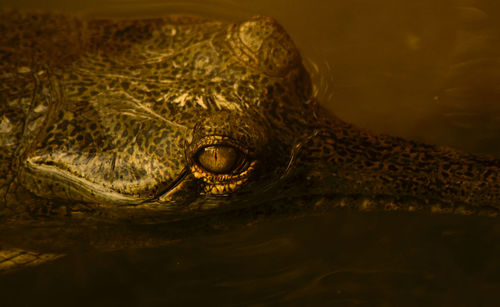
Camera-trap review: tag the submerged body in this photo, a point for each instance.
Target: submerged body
(153, 121)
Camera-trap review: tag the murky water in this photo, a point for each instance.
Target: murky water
(427, 70)
(342, 259)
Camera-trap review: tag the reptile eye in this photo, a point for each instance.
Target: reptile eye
(219, 159)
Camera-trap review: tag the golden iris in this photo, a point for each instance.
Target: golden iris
(218, 159)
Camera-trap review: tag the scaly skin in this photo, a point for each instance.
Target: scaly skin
(106, 121)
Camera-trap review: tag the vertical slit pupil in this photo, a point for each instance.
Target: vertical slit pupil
(218, 159)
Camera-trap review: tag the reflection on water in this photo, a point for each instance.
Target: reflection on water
(345, 258)
(428, 70)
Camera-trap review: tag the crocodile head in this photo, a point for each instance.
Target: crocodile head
(195, 111)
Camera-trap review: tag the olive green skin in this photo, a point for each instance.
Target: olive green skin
(101, 122)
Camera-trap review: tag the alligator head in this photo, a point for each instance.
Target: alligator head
(203, 110)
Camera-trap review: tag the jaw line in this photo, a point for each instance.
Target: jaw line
(90, 190)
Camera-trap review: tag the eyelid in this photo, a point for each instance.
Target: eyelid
(219, 140)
